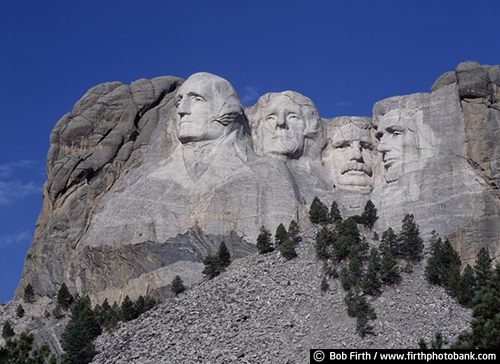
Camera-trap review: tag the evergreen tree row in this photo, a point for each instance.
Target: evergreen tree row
(320, 214)
(283, 240)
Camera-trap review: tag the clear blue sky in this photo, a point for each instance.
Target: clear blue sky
(344, 55)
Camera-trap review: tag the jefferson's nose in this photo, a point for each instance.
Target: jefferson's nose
(281, 121)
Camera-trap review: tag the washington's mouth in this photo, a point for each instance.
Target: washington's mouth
(354, 167)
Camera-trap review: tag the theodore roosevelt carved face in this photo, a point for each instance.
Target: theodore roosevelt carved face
(206, 105)
(351, 153)
(281, 122)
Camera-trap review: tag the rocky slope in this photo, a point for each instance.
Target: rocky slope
(38, 320)
(265, 309)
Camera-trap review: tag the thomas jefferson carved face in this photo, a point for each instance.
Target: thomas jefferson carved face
(286, 124)
(283, 126)
(352, 154)
(206, 104)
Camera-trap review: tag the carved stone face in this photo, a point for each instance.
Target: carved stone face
(352, 154)
(396, 143)
(197, 108)
(283, 128)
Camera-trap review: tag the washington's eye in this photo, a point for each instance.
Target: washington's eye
(198, 99)
(270, 117)
(292, 116)
(397, 134)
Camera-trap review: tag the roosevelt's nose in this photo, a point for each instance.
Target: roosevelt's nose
(355, 152)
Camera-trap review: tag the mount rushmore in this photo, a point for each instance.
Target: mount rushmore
(145, 180)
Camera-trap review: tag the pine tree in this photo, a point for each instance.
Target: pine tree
(29, 294)
(466, 289)
(412, 245)
(64, 298)
(484, 330)
(224, 256)
(81, 330)
(150, 303)
(20, 311)
(287, 249)
(264, 243)
(20, 351)
(177, 285)
(334, 215)
(212, 266)
(482, 268)
(294, 231)
(318, 212)
(451, 268)
(375, 259)
(443, 264)
(140, 305)
(389, 271)
(389, 242)
(369, 215)
(128, 311)
(324, 285)
(323, 239)
(7, 330)
(281, 235)
(355, 269)
(358, 307)
(433, 269)
(371, 281)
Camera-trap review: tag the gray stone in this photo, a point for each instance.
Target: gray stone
(145, 180)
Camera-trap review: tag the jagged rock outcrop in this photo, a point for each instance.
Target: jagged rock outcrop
(145, 180)
(91, 147)
(265, 309)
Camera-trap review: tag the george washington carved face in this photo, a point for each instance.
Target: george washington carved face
(206, 105)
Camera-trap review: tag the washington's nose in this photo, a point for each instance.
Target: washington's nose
(183, 108)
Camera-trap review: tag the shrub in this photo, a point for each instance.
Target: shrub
(177, 285)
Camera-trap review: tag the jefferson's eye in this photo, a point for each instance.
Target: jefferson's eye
(292, 116)
(270, 117)
(397, 134)
(198, 99)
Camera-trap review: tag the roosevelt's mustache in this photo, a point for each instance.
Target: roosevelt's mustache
(355, 166)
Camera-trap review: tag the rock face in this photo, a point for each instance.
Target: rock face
(145, 180)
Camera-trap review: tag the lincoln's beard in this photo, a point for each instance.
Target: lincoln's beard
(394, 172)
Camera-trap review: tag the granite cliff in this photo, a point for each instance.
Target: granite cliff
(144, 180)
